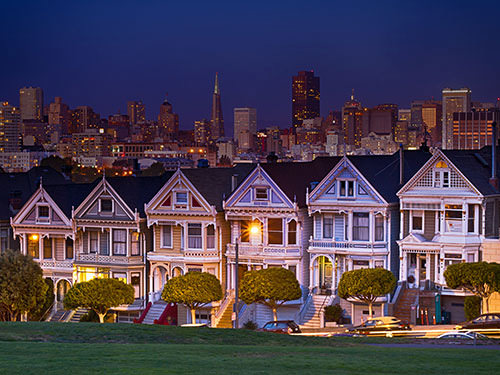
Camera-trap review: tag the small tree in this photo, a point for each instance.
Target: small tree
(44, 304)
(22, 287)
(270, 287)
(99, 295)
(480, 278)
(194, 289)
(366, 285)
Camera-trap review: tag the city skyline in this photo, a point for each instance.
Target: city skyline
(254, 67)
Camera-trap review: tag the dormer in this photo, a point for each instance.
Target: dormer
(42, 213)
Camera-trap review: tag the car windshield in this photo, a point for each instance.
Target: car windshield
(480, 319)
(371, 323)
(270, 325)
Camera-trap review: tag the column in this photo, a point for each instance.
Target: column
(428, 266)
(403, 270)
(349, 225)
(128, 242)
(311, 277)
(436, 268)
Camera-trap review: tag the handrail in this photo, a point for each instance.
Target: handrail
(143, 315)
(43, 317)
(222, 308)
(304, 308)
(163, 316)
(327, 298)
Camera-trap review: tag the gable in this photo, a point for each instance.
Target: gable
(344, 184)
(179, 195)
(258, 190)
(439, 176)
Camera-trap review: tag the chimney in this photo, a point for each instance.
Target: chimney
(494, 178)
(234, 182)
(401, 165)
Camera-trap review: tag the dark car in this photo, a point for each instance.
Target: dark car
(484, 321)
(281, 326)
(380, 324)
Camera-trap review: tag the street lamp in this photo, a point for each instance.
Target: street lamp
(254, 229)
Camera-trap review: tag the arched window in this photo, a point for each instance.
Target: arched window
(292, 232)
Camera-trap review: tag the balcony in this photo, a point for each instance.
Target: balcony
(332, 244)
(108, 259)
(51, 263)
(247, 249)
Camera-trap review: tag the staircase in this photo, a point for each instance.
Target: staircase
(263, 314)
(154, 312)
(312, 316)
(225, 320)
(75, 318)
(59, 316)
(402, 310)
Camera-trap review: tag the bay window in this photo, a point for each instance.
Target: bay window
(275, 231)
(194, 236)
(328, 226)
(292, 232)
(379, 227)
(119, 242)
(360, 226)
(210, 237)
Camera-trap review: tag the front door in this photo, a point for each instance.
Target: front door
(423, 268)
(325, 269)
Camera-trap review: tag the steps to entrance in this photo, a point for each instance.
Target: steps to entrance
(77, 315)
(312, 316)
(402, 310)
(154, 312)
(60, 316)
(225, 320)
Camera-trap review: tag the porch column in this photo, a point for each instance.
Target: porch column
(311, 277)
(417, 270)
(128, 242)
(403, 270)
(334, 271)
(428, 266)
(436, 268)
(151, 281)
(349, 226)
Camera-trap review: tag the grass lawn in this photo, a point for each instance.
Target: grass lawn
(86, 348)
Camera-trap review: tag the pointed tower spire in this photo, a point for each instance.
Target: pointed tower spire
(216, 88)
(352, 94)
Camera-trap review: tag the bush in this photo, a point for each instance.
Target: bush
(333, 313)
(472, 307)
(250, 325)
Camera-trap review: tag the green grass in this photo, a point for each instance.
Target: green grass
(71, 349)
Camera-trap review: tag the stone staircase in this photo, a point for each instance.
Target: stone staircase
(312, 316)
(154, 312)
(225, 320)
(402, 309)
(75, 318)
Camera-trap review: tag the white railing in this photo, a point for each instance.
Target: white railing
(246, 249)
(303, 309)
(113, 259)
(325, 244)
(48, 263)
(228, 298)
(154, 296)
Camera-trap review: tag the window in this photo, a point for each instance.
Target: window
(43, 212)
(275, 231)
(293, 269)
(327, 226)
(182, 237)
(166, 236)
(119, 242)
(346, 188)
(470, 218)
(417, 221)
(4, 239)
(245, 231)
(135, 244)
(379, 264)
(104, 243)
(33, 245)
(47, 248)
(453, 217)
(210, 237)
(261, 193)
(358, 264)
(441, 179)
(194, 236)
(360, 226)
(120, 276)
(69, 248)
(292, 232)
(379, 227)
(181, 197)
(106, 205)
(94, 241)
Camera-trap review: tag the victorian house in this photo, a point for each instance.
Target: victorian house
(355, 215)
(272, 198)
(190, 234)
(447, 210)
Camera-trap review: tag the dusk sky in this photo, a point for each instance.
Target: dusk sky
(103, 53)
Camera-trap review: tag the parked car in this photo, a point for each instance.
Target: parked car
(484, 321)
(281, 326)
(380, 324)
(454, 335)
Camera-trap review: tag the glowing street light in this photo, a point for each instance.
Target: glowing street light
(34, 237)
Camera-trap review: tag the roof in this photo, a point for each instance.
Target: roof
(295, 178)
(383, 172)
(67, 196)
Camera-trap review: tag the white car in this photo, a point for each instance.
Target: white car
(461, 335)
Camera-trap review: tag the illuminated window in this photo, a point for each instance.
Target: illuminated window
(135, 244)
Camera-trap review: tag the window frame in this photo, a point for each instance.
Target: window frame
(211, 238)
(330, 225)
(177, 201)
(377, 227)
(291, 232)
(106, 211)
(115, 242)
(344, 185)
(416, 213)
(42, 218)
(193, 237)
(163, 228)
(261, 188)
(367, 226)
(269, 231)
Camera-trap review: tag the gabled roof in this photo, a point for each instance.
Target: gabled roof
(67, 196)
(295, 178)
(382, 171)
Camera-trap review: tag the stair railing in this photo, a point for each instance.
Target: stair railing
(47, 312)
(321, 312)
(222, 308)
(143, 315)
(303, 308)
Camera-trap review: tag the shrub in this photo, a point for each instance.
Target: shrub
(333, 313)
(250, 325)
(472, 307)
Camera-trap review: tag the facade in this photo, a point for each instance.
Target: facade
(59, 116)
(305, 97)
(353, 126)
(217, 119)
(473, 130)
(136, 112)
(168, 121)
(31, 103)
(202, 133)
(453, 101)
(245, 127)
(83, 118)
(10, 128)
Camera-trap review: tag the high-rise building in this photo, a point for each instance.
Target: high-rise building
(245, 127)
(305, 97)
(82, 118)
(168, 122)
(217, 118)
(404, 114)
(10, 128)
(431, 118)
(59, 116)
(352, 122)
(473, 130)
(381, 119)
(31, 103)
(453, 101)
(202, 133)
(136, 112)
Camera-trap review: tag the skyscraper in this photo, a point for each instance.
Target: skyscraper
(31, 103)
(59, 115)
(453, 101)
(245, 127)
(352, 122)
(305, 97)
(202, 133)
(217, 121)
(473, 130)
(10, 128)
(168, 122)
(136, 112)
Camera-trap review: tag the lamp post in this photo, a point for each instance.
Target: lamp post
(254, 229)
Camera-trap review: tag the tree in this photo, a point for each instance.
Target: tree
(55, 162)
(480, 278)
(270, 287)
(156, 169)
(99, 295)
(44, 304)
(22, 287)
(366, 285)
(194, 289)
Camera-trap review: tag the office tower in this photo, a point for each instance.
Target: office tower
(305, 97)
(120, 124)
(381, 119)
(82, 118)
(10, 128)
(59, 115)
(168, 122)
(202, 133)
(136, 112)
(473, 130)
(245, 127)
(453, 101)
(217, 118)
(352, 122)
(416, 121)
(431, 118)
(404, 114)
(31, 103)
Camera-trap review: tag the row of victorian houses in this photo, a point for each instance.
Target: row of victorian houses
(413, 213)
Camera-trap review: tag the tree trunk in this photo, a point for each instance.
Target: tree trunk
(193, 316)
(275, 313)
(101, 317)
(370, 310)
(487, 303)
